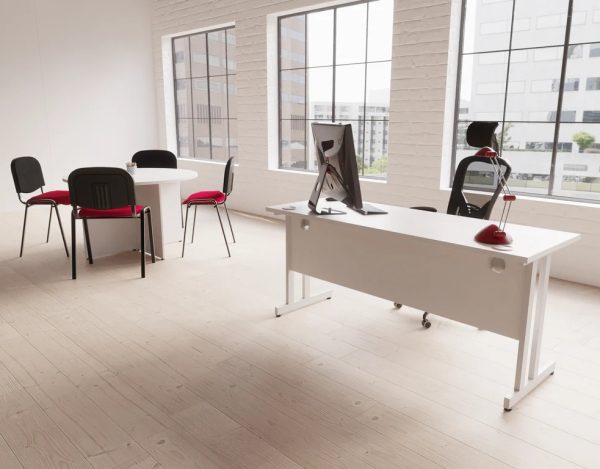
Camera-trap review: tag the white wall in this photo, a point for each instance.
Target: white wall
(76, 85)
(421, 60)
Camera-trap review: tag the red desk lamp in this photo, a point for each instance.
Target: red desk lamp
(496, 234)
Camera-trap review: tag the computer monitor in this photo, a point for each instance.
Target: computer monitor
(338, 171)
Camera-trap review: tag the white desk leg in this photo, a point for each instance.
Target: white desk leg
(307, 300)
(528, 376)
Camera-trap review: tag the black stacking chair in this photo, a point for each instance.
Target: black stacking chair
(214, 198)
(28, 177)
(102, 193)
(475, 173)
(155, 159)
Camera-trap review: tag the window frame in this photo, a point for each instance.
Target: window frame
(567, 47)
(188, 36)
(307, 138)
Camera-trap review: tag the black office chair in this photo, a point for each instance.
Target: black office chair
(101, 193)
(155, 159)
(28, 177)
(475, 173)
(214, 198)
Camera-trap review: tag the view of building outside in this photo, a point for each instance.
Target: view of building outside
(528, 46)
(335, 66)
(204, 69)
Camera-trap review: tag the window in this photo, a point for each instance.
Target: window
(526, 79)
(335, 65)
(204, 69)
(592, 84)
(591, 116)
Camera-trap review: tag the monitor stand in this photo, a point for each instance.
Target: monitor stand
(313, 202)
(368, 209)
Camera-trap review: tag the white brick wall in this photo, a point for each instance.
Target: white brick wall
(418, 99)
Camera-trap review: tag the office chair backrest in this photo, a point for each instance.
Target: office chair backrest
(477, 173)
(27, 174)
(155, 159)
(228, 178)
(101, 188)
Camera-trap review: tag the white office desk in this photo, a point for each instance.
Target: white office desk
(430, 261)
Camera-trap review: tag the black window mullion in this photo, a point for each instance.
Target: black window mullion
(227, 92)
(306, 143)
(561, 91)
(457, 95)
(512, 23)
(364, 119)
(210, 144)
(190, 82)
(175, 97)
(279, 98)
(334, 65)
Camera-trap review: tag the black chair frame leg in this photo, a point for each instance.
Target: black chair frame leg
(194, 223)
(49, 224)
(73, 250)
(143, 243)
(62, 233)
(151, 234)
(229, 220)
(23, 234)
(222, 229)
(88, 245)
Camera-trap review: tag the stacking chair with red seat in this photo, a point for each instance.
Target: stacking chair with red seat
(215, 198)
(155, 159)
(28, 177)
(105, 193)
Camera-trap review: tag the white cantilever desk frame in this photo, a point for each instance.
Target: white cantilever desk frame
(430, 261)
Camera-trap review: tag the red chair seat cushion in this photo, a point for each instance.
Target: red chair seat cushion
(58, 197)
(217, 196)
(110, 213)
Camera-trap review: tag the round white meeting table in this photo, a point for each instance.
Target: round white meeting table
(159, 188)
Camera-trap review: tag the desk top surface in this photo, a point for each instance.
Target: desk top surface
(529, 243)
(148, 176)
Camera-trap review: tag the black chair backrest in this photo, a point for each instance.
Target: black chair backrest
(27, 174)
(228, 178)
(101, 188)
(476, 173)
(155, 159)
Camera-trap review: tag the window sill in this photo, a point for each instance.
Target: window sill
(531, 198)
(314, 174)
(194, 160)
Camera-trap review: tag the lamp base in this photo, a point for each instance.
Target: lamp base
(491, 234)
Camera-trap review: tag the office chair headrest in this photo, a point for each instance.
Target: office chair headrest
(481, 134)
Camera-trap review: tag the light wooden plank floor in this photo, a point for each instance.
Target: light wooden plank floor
(189, 368)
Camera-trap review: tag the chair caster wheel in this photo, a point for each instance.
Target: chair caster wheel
(397, 305)
(426, 324)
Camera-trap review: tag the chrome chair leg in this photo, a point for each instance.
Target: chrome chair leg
(187, 212)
